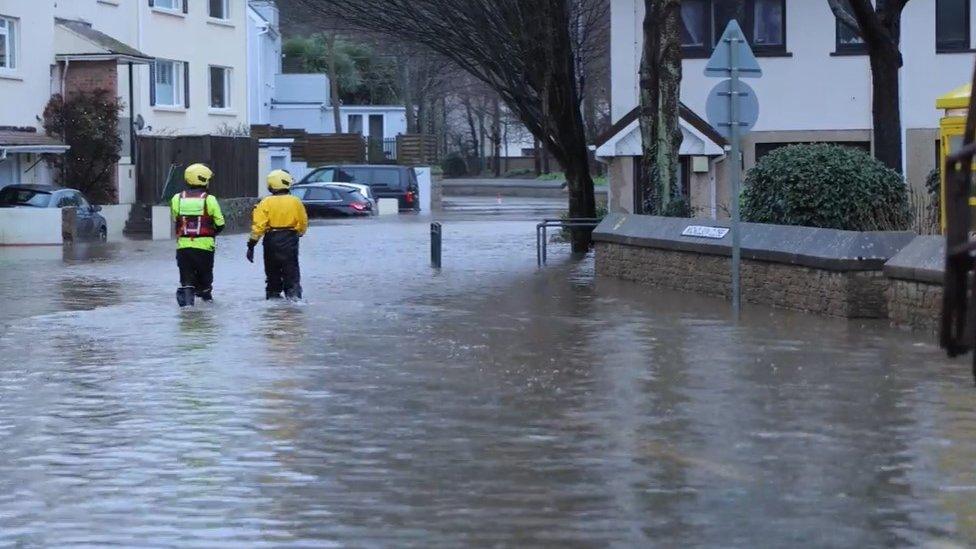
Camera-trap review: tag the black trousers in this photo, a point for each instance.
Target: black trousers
(281, 264)
(196, 269)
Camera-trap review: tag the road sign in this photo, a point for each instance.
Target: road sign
(733, 58)
(718, 108)
(720, 63)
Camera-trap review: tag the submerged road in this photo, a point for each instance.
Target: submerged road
(490, 404)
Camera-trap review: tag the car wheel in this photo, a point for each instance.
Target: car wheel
(103, 234)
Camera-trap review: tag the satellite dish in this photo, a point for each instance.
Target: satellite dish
(140, 122)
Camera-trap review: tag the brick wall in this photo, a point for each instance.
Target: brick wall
(850, 294)
(88, 76)
(913, 304)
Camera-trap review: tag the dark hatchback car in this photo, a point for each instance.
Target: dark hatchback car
(324, 200)
(398, 182)
(91, 224)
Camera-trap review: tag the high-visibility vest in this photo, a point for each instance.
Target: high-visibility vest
(192, 219)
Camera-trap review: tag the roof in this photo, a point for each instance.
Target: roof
(80, 41)
(686, 114)
(29, 142)
(956, 99)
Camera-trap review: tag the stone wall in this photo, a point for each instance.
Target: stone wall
(915, 305)
(850, 294)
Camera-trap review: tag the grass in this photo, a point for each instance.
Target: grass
(599, 181)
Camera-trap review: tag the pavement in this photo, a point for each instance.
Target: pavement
(504, 206)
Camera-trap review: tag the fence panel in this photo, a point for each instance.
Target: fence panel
(415, 149)
(340, 148)
(234, 161)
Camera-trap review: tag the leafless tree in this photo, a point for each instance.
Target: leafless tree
(880, 27)
(523, 50)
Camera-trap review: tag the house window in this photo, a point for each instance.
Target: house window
(848, 39)
(219, 88)
(220, 9)
(174, 5)
(356, 123)
(952, 25)
(169, 83)
(704, 21)
(8, 43)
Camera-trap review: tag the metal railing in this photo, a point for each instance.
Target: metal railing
(541, 233)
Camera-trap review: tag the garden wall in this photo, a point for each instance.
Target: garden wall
(915, 280)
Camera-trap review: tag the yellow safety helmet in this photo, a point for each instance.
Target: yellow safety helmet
(279, 180)
(198, 175)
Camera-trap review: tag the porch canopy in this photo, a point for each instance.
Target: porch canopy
(28, 141)
(624, 137)
(78, 41)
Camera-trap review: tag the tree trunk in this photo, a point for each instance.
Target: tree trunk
(475, 144)
(885, 110)
(334, 83)
(536, 157)
(407, 93)
(660, 88)
(496, 136)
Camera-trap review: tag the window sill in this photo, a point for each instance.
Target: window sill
(169, 108)
(227, 23)
(944, 51)
(113, 3)
(11, 75)
(852, 53)
(705, 54)
(169, 12)
(222, 112)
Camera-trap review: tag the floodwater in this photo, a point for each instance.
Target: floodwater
(490, 404)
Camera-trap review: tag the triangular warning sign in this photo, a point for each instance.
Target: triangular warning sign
(720, 63)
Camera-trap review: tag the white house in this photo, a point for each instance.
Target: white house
(817, 79)
(179, 66)
(263, 58)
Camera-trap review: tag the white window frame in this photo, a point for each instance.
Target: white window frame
(11, 32)
(225, 16)
(228, 72)
(179, 87)
(177, 7)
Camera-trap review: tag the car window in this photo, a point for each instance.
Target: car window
(385, 178)
(355, 196)
(10, 196)
(299, 192)
(353, 175)
(67, 200)
(80, 200)
(324, 175)
(321, 194)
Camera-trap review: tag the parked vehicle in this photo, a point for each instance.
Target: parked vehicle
(327, 200)
(91, 224)
(398, 182)
(364, 190)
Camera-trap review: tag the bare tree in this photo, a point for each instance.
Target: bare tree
(660, 88)
(880, 27)
(524, 51)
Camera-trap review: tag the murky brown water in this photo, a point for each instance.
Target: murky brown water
(489, 405)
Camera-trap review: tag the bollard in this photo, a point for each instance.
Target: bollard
(435, 245)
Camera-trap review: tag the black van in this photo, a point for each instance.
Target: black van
(398, 182)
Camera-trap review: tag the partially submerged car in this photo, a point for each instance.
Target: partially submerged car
(91, 225)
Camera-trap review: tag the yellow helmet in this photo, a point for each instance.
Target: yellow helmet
(279, 180)
(198, 175)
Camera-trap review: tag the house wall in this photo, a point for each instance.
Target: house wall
(264, 59)
(811, 90)
(25, 90)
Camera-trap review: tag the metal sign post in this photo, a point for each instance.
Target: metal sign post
(733, 58)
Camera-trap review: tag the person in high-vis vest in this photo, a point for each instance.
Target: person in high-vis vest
(198, 220)
(281, 219)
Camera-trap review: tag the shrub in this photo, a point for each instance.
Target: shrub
(828, 186)
(88, 123)
(522, 172)
(454, 165)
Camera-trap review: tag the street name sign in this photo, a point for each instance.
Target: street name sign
(700, 231)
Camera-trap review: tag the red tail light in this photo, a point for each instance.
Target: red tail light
(358, 206)
(410, 197)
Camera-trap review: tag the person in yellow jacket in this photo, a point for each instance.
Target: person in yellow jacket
(281, 219)
(198, 220)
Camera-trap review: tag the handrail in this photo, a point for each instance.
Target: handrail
(541, 240)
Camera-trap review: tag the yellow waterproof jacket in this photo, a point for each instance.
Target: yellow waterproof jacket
(280, 211)
(179, 206)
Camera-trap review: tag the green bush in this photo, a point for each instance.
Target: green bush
(553, 176)
(828, 186)
(454, 165)
(512, 174)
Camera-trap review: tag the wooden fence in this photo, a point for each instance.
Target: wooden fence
(337, 148)
(234, 161)
(415, 149)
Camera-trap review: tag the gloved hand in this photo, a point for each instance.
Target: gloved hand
(250, 250)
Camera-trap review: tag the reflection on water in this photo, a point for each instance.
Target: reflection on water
(491, 405)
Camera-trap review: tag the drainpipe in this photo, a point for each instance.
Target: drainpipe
(64, 75)
(132, 118)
